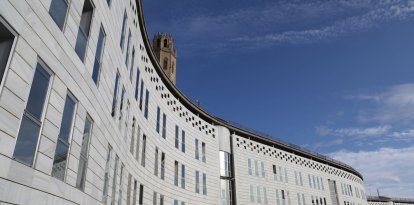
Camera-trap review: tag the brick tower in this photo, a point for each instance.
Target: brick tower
(163, 46)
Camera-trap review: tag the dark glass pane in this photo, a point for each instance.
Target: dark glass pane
(146, 104)
(66, 126)
(59, 162)
(123, 30)
(38, 92)
(100, 46)
(81, 42)
(26, 141)
(6, 43)
(136, 85)
(115, 94)
(58, 10)
(96, 70)
(86, 136)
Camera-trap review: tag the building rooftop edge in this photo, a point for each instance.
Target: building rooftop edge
(234, 129)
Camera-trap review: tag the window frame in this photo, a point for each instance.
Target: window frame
(69, 2)
(8, 26)
(90, 28)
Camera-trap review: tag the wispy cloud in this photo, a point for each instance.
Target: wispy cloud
(356, 133)
(268, 23)
(393, 105)
(386, 169)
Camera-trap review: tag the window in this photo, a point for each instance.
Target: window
(136, 85)
(176, 173)
(300, 178)
(58, 10)
(249, 165)
(124, 21)
(158, 43)
(106, 179)
(165, 64)
(138, 142)
(265, 195)
(296, 178)
(131, 70)
(183, 176)
(175, 202)
(120, 185)
(277, 197)
(84, 29)
(127, 51)
(141, 94)
(115, 97)
(98, 56)
(183, 141)
(144, 148)
(203, 151)
(197, 157)
(141, 194)
(161, 199)
(176, 136)
(256, 168)
(109, 2)
(226, 192)
(156, 162)
(204, 184)
(121, 107)
(165, 43)
(251, 193)
(164, 126)
(114, 179)
(162, 166)
(129, 189)
(31, 121)
(62, 147)
(158, 120)
(197, 182)
(83, 159)
(225, 169)
(131, 146)
(154, 198)
(259, 197)
(6, 44)
(146, 104)
(134, 197)
(263, 170)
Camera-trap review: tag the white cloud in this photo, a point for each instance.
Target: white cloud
(386, 169)
(325, 144)
(394, 105)
(356, 133)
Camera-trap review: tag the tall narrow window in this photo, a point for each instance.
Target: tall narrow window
(165, 64)
(158, 120)
(83, 159)
(197, 182)
(204, 184)
(144, 149)
(32, 118)
(84, 29)
(141, 194)
(175, 173)
(256, 167)
(136, 85)
(146, 104)
(156, 162)
(154, 198)
(162, 166)
(138, 142)
(203, 152)
(129, 189)
(141, 95)
(98, 56)
(249, 166)
(120, 185)
(265, 195)
(114, 179)
(121, 107)
(6, 44)
(109, 2)
(115, 97)
(58, 10)
(252, 193)
(259, 195)
(132, 145)
(106, 177)
(134, 197)
(62, 147)
(164, 126)
(176, 137)
(131, 70)
(161, 199)
(124, 21)
(183, 141)
(183, 176)
(197, 157)
(127, 51)
(263, 170)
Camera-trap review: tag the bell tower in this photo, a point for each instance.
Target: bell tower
(163, 46)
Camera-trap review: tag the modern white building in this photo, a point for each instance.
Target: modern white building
(88, 116)
(381, 200)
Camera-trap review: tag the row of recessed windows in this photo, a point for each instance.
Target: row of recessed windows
(298, 178)
(197, 182)
(318, 200)
(316, 182)
(256, 169)
(346, 189)
(280, 174)
(256, 194)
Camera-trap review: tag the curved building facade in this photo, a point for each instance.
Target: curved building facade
(88, 116)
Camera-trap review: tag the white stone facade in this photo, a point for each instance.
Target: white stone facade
(134, 173)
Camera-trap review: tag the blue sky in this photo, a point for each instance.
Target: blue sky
(335, 77)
